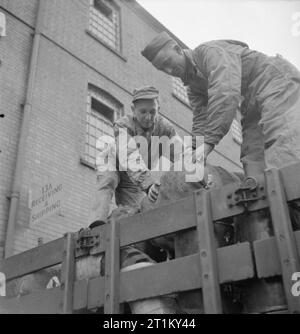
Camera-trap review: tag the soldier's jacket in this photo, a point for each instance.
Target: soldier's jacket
(147, 157)
(224, 74)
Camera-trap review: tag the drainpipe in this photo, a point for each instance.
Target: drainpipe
(17, 182)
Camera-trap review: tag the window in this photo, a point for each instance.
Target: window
(236, 132)
(179, 90)
(105, 22)
(102, 111)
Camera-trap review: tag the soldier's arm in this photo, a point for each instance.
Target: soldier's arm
(223, 70)
(128, 154)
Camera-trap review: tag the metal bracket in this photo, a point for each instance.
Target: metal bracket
(249, 192)
(86, 241)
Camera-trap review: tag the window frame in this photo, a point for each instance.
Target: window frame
(111, 104)
(116, 9)
(176, 81)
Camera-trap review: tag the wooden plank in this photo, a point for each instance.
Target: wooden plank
(80, 298)
(44, 256)
(164, 220)
(241, 265)
(285, 241)
(96, 293)
(112, 270)
(68, 273)
(267, 257)
(182, 274)
(178, 275)
(290, 179)
(208, 256)
(41, 302)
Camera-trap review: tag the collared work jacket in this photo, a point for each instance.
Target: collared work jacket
(224, 76)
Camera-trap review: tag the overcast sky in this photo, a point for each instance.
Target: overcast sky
(270, 26)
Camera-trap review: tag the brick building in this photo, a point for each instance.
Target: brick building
(68, 69)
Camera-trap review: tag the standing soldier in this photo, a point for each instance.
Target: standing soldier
(222, 76)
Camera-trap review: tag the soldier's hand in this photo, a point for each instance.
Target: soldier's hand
(153, 192)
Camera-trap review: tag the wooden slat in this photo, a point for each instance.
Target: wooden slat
(41, 302)
(68, 274)
(112, 270)
(267, 257)
(182, 274)
(241, 264)
(178, 275)
(25, 263)
(208, 255)
(80, 298)
(285, 241)
(291, 181)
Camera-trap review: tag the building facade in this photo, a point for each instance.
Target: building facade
(67, 71)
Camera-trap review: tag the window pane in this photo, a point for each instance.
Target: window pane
(180, 91)
(102, 110)
(104, 22)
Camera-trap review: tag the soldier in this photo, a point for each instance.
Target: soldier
(131, 185)
(222, 76)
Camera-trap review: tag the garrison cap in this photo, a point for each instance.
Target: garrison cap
(145, 93)
(152, 49)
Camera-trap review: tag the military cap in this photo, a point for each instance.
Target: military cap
(152, 49)
(145, 93)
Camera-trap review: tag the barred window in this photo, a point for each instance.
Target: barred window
(236, 132)
(179, 90)
(105, 22)
(102, 111)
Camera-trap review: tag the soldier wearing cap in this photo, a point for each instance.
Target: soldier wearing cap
(225, 75)
(128, 185)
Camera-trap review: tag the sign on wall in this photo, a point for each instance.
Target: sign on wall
(46, 201)
(2, 25)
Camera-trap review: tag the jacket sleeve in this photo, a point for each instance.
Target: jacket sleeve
(177, 144)
(198, 102)
(130, 159)
(223, 69)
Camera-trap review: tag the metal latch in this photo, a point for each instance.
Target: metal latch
(249, 192)
(86, 241)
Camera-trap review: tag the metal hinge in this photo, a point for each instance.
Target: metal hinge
(249, 192)
(86, 241)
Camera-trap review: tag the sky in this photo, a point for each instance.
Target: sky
(269, 26)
